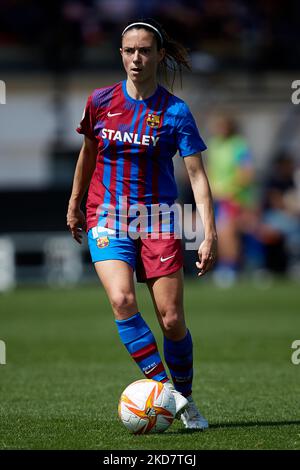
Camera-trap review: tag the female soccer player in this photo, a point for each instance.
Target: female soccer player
(132, 130)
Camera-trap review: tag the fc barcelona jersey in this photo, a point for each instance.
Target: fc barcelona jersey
(137, 140)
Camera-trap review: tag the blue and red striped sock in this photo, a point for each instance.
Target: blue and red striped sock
(179, 359)
(139, 341)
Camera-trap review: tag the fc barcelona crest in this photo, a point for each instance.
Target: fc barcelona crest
(102, 242)
(153, 120)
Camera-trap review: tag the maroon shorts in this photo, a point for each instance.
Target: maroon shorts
(149, 257)
(156, 258)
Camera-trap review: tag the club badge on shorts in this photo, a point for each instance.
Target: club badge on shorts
(102, 242)
(153, 120)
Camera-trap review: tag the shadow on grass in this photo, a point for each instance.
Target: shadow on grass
(241, 424)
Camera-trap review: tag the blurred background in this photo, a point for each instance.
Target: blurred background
(245, 57)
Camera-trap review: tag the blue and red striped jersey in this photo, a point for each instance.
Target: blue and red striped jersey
(137, 140)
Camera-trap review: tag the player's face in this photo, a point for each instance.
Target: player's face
(140, 55)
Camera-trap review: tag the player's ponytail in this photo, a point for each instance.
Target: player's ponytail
(175, 60)
(176, 57)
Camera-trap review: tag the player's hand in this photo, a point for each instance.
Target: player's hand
(207, 255)
(76, 222)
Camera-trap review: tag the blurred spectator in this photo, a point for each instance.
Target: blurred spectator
(280, 228)
(231, 175)
(226, 33)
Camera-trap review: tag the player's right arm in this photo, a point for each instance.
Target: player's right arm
(83, 173)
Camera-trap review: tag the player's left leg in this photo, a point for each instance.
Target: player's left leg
(159, 263)
(167, 295)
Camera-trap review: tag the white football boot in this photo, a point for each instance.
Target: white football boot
(192, 418)
(180, 401)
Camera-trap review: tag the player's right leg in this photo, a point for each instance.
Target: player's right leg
(117, 279)
(114, 260)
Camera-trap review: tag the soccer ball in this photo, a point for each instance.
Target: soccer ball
(147, 406)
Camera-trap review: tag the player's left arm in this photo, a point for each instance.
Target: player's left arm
(207, 251)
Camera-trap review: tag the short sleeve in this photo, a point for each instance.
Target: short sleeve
(188, 138)
(86, 125)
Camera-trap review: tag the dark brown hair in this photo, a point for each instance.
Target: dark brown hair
(176, 57)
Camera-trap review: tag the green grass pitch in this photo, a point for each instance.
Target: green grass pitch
(66, 369)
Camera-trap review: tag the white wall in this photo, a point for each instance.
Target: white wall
(28, 119)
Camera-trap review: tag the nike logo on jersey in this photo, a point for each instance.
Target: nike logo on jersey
(109, 114)
(166, 259)
(129, 137)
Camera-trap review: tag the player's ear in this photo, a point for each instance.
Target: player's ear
(121, 51)
(161, 54)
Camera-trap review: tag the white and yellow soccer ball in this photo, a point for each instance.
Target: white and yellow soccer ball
(147, 406)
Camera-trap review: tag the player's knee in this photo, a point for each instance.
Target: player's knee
(172, 319)
(122, 302)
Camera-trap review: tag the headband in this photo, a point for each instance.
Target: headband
(144, 24)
